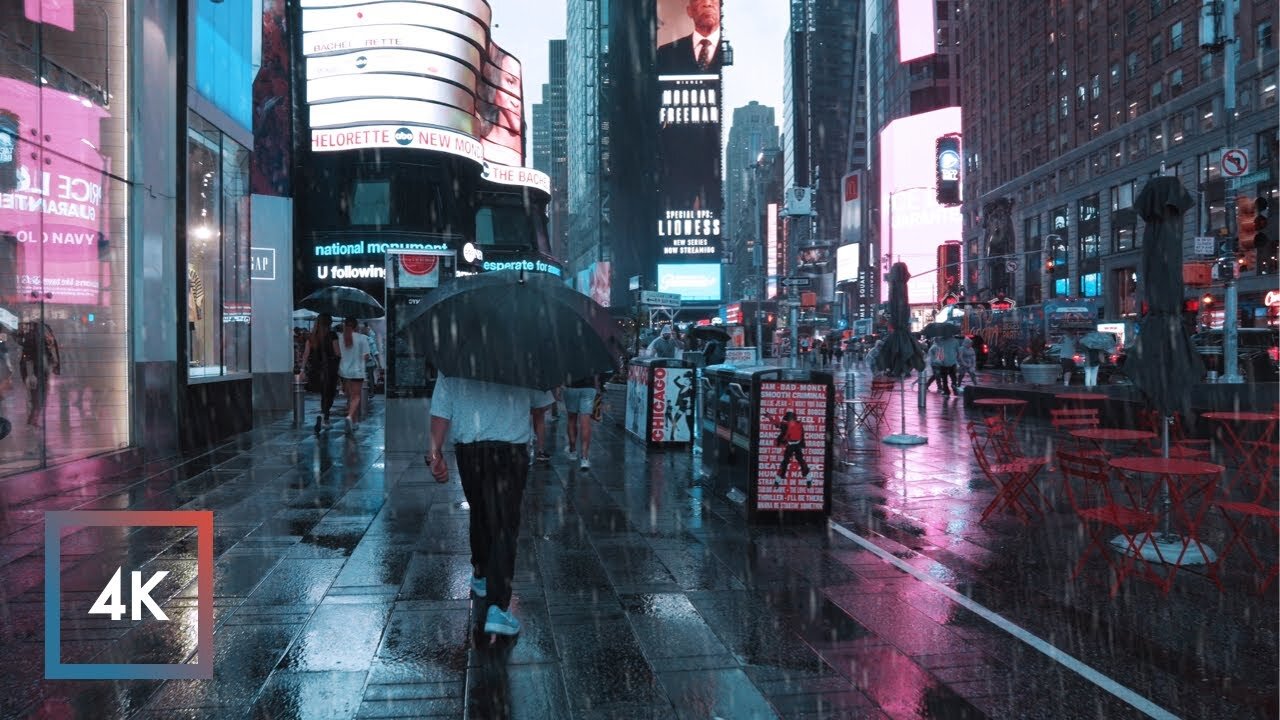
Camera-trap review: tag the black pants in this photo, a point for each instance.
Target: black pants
(946, 377)
(493, 477)
(328, 391)
(795, 450)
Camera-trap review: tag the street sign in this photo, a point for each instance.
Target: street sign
(1011, 265)
(796, 282)
(1235, 162)
(1252, 178)
(660, 299)
(1205, 245)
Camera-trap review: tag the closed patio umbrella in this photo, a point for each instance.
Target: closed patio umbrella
(900, 352)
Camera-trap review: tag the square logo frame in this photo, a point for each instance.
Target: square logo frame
(54, 522)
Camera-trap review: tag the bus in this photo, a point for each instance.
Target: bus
(1007, 333)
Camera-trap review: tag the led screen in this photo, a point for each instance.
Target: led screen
(408, 66)
(693, 282)
(913, 224)
(55, 208)
(917, 29)
(846, 263)
(689, 108)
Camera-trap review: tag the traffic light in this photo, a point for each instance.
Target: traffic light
(1246, 222)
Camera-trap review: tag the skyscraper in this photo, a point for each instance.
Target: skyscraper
(753, 130)
(554, 96)
(541, 145)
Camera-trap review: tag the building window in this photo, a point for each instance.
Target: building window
(1206, 67)
(1207, 118)
(1267, 97)
(1087, 225)
(1157, 91)
(1062, 287)
(1131, 64)
(1081, 97)
(217, 294)
(1175, 82)
(1131, 22)
(1064, 106)
(1175, 37)
(1265, 41)
(1091, 284)
(1115, 74)
(1157, 49)
(1156, 7)
(1095, 87)
(1124, 221)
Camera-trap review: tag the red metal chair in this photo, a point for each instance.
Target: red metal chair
(1180, 446)
(1238, 516)
(1011, 476)
(1096, 508)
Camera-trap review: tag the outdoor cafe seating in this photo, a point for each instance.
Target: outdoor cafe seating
(1013, 475)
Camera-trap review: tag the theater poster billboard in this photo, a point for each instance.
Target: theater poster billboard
(689, 62)
(791, 463)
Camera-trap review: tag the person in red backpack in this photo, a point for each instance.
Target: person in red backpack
(791, 434)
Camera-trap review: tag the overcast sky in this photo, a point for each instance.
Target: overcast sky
(755, 27)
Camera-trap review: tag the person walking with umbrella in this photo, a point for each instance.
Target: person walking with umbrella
(322, 374)
(354, 349)
(489, 426)
(968, 363)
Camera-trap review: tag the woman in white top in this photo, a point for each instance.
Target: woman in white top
(355, 351)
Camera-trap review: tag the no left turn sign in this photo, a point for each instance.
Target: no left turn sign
(1235, 162)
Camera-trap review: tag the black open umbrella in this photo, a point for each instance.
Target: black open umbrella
(513, 328)
(344, 302)
(709, 332)
(941, 330)
(1162, 363)
(900, 352)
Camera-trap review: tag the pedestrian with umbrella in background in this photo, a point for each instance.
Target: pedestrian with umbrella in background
(1095, 345)
(500, 341)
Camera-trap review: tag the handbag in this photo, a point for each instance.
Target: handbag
(597, 407)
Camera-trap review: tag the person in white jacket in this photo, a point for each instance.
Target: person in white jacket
(354, 348)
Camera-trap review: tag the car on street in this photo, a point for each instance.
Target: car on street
(1257, 350)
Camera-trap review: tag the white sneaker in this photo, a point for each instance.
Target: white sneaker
(571, 453)
(585, 464)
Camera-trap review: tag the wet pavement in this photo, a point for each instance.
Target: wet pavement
(341, 591)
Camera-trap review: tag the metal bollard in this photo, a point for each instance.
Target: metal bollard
(299, 400)
(924, 391)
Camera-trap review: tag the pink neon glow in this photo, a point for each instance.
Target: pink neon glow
(771, 249)
(57, 209)
(917, 223)
(917, 29)
(53, 12)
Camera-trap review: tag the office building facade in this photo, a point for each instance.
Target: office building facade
(753, 130)
(1072, 129)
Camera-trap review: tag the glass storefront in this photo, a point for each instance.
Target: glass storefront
(218, 291)
(64, 241)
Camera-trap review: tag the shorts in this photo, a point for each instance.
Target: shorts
(579, 401)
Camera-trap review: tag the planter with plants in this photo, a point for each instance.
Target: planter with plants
(1037, 368)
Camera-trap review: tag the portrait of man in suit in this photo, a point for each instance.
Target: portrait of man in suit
(698, 52)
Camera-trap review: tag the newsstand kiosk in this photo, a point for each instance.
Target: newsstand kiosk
(763, 427)
(411, 276)
(660, 401)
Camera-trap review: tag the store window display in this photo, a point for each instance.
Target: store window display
(64, 231)
(218, 291)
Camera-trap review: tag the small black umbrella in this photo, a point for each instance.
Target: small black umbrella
(900, 352)
(940, 330)
(344, 302)
(1162, 363)
(709, 332)
(513, 328)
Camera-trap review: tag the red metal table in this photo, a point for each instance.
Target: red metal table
(1184, 491)
(1004, 404)
(1098, 436)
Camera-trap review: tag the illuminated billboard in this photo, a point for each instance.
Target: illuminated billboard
(693, 282)
(689, 64)
(917, 29)
(846, 263)
(912, 222)
(54, 208)
(411, 74)
(772, 250)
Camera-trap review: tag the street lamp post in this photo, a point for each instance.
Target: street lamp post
(1230, 49)
(758, 259)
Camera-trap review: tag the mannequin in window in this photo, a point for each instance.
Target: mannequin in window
(195, 310)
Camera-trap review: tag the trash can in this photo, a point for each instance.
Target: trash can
(717, 436)
(660, 401)
(785, 418)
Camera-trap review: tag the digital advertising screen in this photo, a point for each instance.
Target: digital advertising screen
(917, 29)
(912, 221)
(55, 209)
(693, 282)
(846, 263)
(689, 64)
(411, 74)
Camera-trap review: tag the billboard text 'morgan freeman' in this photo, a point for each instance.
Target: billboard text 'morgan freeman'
(689, 110)
(412, 64)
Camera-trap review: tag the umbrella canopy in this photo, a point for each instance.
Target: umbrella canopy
(305, 314)
(342, 301)
(1098, 341)
(1162, 362)
(509, 327)
(709, 332)
(8, 321)
(940, 330)
(900, 352)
